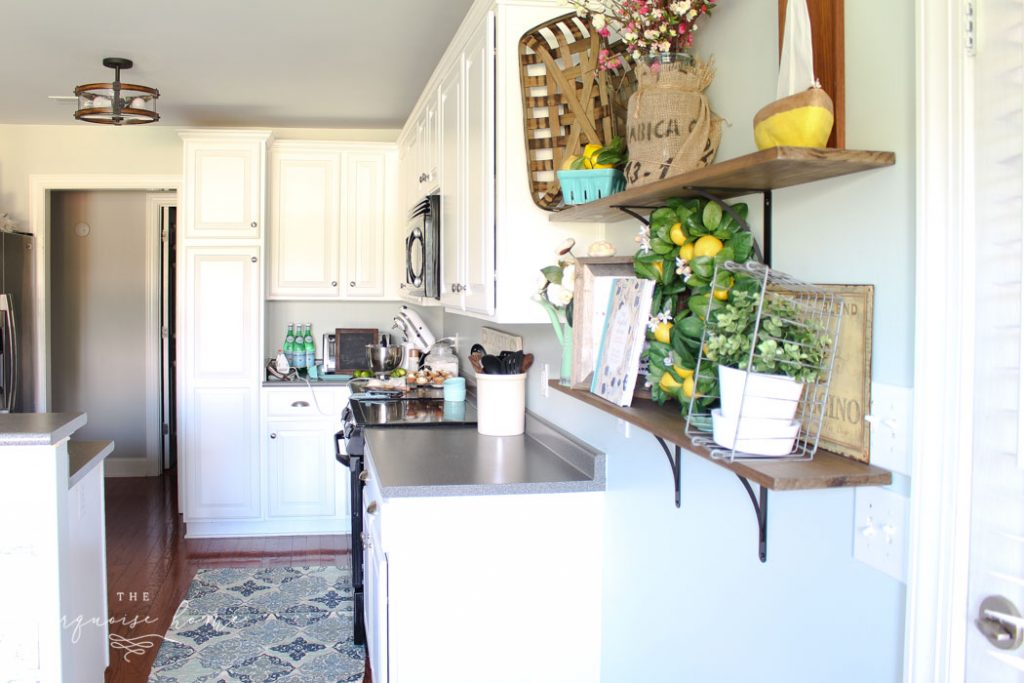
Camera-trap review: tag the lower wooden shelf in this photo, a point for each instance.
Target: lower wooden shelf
(827, 470)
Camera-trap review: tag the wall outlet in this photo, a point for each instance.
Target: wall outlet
(880, 526)
(891, 418)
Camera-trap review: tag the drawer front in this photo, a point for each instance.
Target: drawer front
(300, 403)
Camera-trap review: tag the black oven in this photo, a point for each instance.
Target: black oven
(417, 407)
(423, 249)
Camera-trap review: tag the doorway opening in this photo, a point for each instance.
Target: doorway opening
(110, 266)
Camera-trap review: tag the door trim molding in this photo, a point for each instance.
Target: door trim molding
(40, 186)
(155, 202)
(936, 617)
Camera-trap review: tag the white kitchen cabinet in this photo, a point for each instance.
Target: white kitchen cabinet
(495, 239)
(522, 574)
(451, 168)
(301, 469)
(366, 224)
(220, 370)
(223, 185)
(466, 106)
(305, 220)
(334, 228)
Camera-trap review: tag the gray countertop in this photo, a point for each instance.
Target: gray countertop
(458, 461)
(83, 456)
(38, 429)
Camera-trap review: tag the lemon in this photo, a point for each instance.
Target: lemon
(668, 382)
(590, 153)
(569, 161)
(685, 373)
(688, 385)
(677, 235)
(708, 245)
(721, 291)
(722, 294)
(686, 252)
(661, 332)
(660, 267)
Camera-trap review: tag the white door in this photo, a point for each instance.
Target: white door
(478, 79)
(223, 193)
(366, 226)
(300, 469)
(997, 510)
(451, 166)
(305, 190)
(219, 353)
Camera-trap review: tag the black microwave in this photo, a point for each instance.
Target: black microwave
(423, 249)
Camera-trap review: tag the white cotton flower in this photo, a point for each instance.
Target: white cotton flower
(691, 15)
(559, 295)
(569, 277)
(665, 46)
(599, 21)
(650, 34)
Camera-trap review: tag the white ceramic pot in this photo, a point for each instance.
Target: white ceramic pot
(754, 436)
(757, 395)
(501, 404)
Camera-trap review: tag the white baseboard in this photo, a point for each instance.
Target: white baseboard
(132, 467)
(267, 527)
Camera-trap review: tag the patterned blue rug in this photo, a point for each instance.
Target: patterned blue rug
(263, 625)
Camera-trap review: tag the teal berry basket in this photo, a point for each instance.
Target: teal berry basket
(587, 185)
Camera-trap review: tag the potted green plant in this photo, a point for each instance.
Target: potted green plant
(765, 348)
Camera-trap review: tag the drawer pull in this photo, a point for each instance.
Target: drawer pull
(273, 435)
(364, 475)
(300, 404)
(371, 509)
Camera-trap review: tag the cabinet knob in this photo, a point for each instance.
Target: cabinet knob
(371, 509)
(352, 284)
(334, 283)
(273, 435)
(364, 475)
(253, 224)
(253, 259)
(300, 404)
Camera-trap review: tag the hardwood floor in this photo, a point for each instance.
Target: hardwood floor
(150, 564)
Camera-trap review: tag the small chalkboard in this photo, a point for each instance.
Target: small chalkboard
(350, 348)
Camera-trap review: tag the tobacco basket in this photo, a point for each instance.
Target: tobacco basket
(567, 101)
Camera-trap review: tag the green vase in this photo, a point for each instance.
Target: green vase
(565, 377)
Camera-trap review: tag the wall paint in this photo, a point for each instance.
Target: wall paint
(98, 315)
(685, 597)
(139, 150)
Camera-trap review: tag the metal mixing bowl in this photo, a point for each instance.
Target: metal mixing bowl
(384, 359)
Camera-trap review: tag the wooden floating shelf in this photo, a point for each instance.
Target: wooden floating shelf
(827, 470)
(763, 171)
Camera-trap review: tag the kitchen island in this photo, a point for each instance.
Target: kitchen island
(52, 549)
(483, 555)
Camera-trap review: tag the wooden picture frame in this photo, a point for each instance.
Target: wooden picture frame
(828, 42)
(590, 305)
(350, 348)
(844, 429)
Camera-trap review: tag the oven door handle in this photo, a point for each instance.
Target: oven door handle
(339, 452)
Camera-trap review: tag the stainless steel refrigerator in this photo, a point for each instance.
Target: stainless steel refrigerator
(17, 328)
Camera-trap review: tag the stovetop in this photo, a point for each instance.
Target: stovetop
(411, 411)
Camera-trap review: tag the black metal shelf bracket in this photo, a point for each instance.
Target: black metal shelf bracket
(761, 510)
(675, 462)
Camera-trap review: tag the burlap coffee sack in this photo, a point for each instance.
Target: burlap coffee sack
(671, 128)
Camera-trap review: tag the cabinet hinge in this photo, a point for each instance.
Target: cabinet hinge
(970, 27)
(166, 429)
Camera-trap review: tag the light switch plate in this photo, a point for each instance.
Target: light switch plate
(892, 410)
(880, 531)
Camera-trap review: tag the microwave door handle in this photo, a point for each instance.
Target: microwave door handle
(408, 259)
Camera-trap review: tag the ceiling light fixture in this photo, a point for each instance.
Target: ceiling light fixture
(116, 103)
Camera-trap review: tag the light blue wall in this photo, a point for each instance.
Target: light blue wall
(686, 598)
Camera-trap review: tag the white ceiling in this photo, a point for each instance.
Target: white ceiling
(273, 63)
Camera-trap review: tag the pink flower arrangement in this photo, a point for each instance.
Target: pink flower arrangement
(647, 27)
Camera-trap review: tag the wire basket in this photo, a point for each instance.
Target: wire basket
(770, 329)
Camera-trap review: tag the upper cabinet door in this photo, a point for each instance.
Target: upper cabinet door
(366, 224)
(478, 79)
(451, 168)
(305, 221)
(224, 181)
